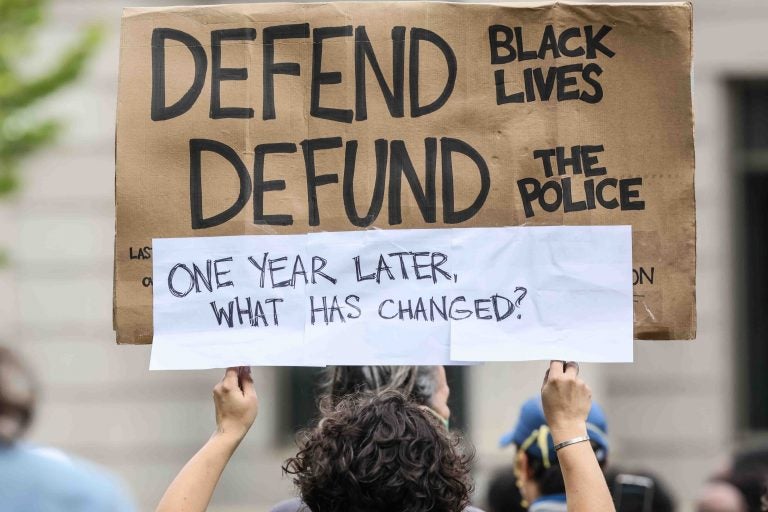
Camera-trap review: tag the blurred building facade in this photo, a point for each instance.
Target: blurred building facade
(677, 411)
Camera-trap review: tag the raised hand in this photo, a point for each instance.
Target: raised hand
(237, 404)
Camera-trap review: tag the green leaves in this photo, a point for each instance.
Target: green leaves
(22, 132)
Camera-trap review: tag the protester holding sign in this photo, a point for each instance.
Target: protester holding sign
(337, 468)
(423, 385)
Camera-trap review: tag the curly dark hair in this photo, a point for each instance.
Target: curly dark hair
(380, 453)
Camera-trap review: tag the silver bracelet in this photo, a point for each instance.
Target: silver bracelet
(569, 442)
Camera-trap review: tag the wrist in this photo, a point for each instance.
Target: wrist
(566, 431)
(228, 436)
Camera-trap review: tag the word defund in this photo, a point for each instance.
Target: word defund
(393, 163)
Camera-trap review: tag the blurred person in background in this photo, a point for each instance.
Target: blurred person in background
(383, 452)
(639, 491)
(503, 494)
(718, 496)
(537, 466)
(750, 475)
(741, 487)
(34, 478)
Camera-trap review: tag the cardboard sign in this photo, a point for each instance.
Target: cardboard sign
(264, 119)
(389, 297)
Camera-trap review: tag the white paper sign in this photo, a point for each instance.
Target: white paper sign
(426, 296)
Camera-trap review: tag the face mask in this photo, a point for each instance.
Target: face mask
(445, 421)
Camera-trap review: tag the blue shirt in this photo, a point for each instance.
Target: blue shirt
(549, 503)
(35, 479)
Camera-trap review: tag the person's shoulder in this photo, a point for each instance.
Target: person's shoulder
(292, 505)
(57, 477)
(296, 505)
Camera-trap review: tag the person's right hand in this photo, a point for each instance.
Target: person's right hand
(566, 400)
(236, 403)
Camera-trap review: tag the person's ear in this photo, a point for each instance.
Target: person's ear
(522, 466)
(527, 468)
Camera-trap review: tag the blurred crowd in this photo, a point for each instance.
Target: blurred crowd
(393, 400)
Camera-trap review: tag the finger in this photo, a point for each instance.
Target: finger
(572, 369)
(546, 377)
(244, 379)
(244, 373)
(230, 378)
(556, 367)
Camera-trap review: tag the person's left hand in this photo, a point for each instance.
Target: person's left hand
(237, 404)
(566, 400)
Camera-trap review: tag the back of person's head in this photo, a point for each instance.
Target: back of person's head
(418, 383)
(17, 397)
(380, 453)
(533, 439)
(503, 492)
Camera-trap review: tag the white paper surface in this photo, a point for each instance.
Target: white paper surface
(187, 333)
(578, 301)
(426, 296)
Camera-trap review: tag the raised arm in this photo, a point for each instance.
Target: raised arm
(236, 408)
(567, 400)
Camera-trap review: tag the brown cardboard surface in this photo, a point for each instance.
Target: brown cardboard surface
(627, 90)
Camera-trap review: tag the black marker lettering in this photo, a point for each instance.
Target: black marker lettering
(313, 180)
(218, 273)
(159, 111)
(318, 264)
(494, 31)
(196, 147)
(400, 164)
(326, 78)
(394, 97)
(260, 186)
(418, 35)
(261, 267)
(172, 289)
(377, 200)
(219, 74)
(449, 146)
(283, 68)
